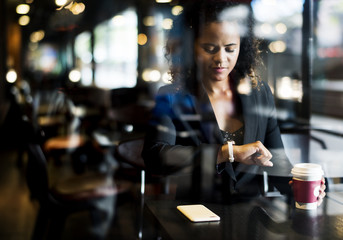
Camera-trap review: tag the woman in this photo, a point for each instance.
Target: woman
(216, 105)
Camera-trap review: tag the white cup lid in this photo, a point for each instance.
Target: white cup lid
(306, 169)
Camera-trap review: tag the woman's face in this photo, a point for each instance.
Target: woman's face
(217, 50)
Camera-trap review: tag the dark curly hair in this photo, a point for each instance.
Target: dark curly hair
(187, 27)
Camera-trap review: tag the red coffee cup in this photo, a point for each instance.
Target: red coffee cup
(306, 184)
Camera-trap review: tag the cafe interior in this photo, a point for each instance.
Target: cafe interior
(78, 81)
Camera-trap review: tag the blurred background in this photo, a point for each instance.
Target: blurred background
(85, 73)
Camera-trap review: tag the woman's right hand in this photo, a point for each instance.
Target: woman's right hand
(253, 154)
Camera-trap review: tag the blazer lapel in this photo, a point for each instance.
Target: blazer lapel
(250, 110)
(208, 122)
(251, 121)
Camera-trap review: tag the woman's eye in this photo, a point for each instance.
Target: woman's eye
(210, 49)
(230, 50)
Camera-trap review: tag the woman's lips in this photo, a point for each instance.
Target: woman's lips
(219, 69)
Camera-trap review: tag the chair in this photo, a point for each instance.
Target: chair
(129, 152)
(94, 192)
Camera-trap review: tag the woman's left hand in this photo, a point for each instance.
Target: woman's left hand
(322, 193)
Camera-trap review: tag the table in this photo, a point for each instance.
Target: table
(56, 147)
(261, 218)
(64, 142)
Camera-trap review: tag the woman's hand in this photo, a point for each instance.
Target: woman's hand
(253, 154)
(322, 193)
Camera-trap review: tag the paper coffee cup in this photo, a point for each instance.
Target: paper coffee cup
(306, 184)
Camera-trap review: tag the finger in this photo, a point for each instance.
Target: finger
(268, 164)
(264, 161)
(263, 151)
(319, 201)
(322, 194)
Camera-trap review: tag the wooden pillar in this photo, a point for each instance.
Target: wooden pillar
(3, 49)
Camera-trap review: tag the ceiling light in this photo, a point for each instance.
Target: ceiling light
(176, 10)
(281, 28)
(11, 76)
(24, 20)
(23, 9)
(163, 1)
(61, 2)
(149, 21)
(167, 23)
(142, 39)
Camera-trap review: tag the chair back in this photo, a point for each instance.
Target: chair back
(36, 174)
(129, 151)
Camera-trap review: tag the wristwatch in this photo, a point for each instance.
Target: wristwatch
(230, 150)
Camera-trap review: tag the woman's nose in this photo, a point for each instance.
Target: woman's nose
(219, 56)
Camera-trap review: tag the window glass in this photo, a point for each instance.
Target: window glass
(83, 55)
(328, 73)
(115, 51)
(278, 24)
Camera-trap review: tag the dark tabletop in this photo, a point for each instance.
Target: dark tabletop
(261, 218)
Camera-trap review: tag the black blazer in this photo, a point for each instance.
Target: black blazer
(184, 126)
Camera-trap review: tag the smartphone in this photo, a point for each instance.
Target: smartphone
(198, 213)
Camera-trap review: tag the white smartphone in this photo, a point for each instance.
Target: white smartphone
(198, 213)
